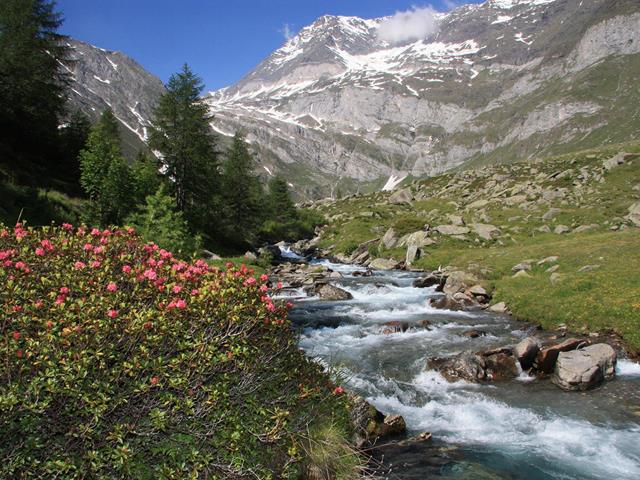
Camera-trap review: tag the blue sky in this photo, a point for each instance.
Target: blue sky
(221, 40)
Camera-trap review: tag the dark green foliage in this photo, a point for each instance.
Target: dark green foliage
(160, 222)
(182, 135)
(72, 138)
(145, 174)
(122, 362)
(281, 204)
(242, 194)
(32, 88)
(105, 176)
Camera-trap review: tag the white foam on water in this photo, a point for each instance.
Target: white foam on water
(286, 252)
(460, 413)
(627, 368)
(338, 267)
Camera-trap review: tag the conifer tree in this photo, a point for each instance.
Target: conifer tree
(32, 87)
(183, 136)
(159, 221)
(105, 175)
(281, 204)
(242, 194)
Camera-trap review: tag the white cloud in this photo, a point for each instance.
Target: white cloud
(287, 31)
(413, 24)
(451, 4)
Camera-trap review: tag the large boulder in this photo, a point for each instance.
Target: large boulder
(412, 254)
(418, 239)
(452, 230)
(526, 352)
(458, 281)
(389, 239)
(634, 214)
(547, 356)
(332, 293)
(585, 368)
(486, 231)
(401, 196)
(383, 264)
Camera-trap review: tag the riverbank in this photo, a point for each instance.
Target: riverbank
(580, 208)
(379, 340)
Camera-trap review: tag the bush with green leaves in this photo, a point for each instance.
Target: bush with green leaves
(118, 360)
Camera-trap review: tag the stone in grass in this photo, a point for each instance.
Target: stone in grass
(401, 196)
(499, 307)
(585, 368)
(560, 229)
(521, 274)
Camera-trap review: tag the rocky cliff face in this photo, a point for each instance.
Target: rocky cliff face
(104, 79)
(337, 107)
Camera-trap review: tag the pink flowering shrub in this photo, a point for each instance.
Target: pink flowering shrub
(118, 360)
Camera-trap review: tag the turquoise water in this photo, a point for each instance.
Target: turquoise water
(525, 428)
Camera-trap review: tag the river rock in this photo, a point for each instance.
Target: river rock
(401, 196)
(585, 368)
(445, 303)
(474, 333)
(383, 264)
(429, 281)
(547, 356)
(369, 424)
(526, 352)
(464, 366)
(394, 326)
(459, 280)
(500, 366)
(333, 293)
(499, 307)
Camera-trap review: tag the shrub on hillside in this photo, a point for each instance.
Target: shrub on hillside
(118, 360)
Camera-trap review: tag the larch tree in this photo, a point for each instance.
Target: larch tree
(186, 144)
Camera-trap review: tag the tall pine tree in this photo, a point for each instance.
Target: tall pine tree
(32, 87)
(242, 194)
(183, 137)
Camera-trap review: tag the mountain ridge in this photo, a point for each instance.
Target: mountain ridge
(335, 104)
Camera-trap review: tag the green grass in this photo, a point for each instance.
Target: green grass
(605, 299)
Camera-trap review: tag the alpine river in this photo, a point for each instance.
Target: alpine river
(525, 428)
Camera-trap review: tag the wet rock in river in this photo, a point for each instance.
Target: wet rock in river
(369, 424)
(526, 352)
(474, 333)
(429, 281)
(585, 368)
(333, 293)
(394, 326)
(546, 358)
(500, 366)
(464, 366)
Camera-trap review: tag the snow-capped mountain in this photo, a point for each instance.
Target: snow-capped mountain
(102, 79)
(339, 104)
